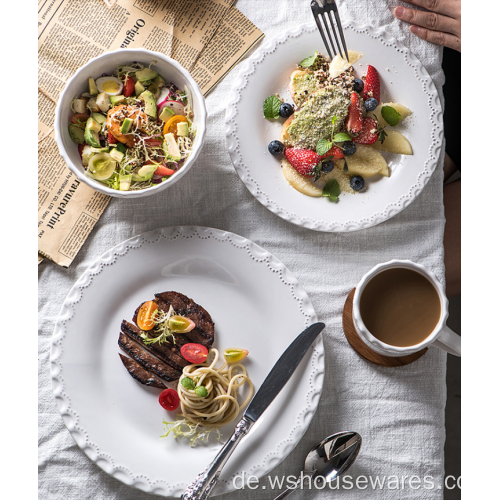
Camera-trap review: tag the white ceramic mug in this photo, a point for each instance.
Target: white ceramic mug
(441, 337)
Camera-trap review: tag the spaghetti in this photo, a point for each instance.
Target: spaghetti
(220, 405)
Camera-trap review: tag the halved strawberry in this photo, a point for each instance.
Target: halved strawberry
(368, 134)
(302, 160)
(354, 119)
(112, 139)
(372, 84)
(336, 152)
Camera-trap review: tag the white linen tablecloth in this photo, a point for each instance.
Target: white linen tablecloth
(398, 412)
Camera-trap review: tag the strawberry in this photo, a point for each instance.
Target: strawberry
(302, 160)
(354, 120)
(368, 134)
(372, 84)
(336, 152)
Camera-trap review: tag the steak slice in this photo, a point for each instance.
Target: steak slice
(140, 374)
(203, 333)
(147, 360)
(165, 351)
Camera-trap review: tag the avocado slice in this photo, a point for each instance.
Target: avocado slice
(183, 129)
(144, 173)
(91, 134)
(76, 133)
(99, 118)
(145, 74)
(117, 99)
(126, 126)
(149, 103)
(166, 113)
(92, 87)
(139, 88)
(155, 90)
(124, 181)
(159, 81)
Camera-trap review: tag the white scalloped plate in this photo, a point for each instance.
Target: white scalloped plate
(248, 133)
(255, 303)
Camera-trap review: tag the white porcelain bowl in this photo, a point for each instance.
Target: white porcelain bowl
(169, 69)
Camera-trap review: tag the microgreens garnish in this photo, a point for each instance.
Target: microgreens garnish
(160, 319)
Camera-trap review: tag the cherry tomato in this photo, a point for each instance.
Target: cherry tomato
(169, 399)
(128, 86)
(80, 119)
(144, 316)
(112, 139)
(171, 124)
(194, 353)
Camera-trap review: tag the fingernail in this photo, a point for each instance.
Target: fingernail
(414, 29)
(399, 12)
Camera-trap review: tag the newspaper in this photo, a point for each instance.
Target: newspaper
(207, 37)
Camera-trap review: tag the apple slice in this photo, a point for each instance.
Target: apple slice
(402, 110)
(301, 183)
(367, 162)
(394, 143)
(339, 65)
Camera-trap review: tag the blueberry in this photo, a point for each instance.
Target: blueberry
(357, 183)
(327, 166)
(371, 104)
(358, 85)
(349, 148)
(286, 110)
(275, 147)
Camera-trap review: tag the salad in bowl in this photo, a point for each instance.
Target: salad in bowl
(130, 127)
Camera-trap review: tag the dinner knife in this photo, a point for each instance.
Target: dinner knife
(202, 486)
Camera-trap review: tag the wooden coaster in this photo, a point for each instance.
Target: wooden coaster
(362, 349)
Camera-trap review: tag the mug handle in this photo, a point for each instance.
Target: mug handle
(449, 341)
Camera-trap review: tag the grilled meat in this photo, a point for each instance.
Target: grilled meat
(140, 374)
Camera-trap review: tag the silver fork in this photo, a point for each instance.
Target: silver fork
(320, 11)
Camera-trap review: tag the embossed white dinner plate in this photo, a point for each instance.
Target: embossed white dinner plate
(248, 133)
(255, 303)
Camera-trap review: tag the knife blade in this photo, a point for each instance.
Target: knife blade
(277, 378)
(282, 371)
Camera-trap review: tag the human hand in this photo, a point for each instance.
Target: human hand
(442, 25)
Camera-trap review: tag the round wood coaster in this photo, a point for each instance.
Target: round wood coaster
(362, 349)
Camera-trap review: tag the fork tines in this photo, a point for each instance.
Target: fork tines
(320, 12)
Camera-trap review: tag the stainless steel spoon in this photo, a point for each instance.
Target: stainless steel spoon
(329, 459)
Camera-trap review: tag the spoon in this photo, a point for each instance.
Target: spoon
(329, 459)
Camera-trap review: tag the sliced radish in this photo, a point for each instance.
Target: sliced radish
(163, 97)
(177, 107)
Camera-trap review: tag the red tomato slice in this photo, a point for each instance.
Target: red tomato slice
(128, 87)
(80, 119)
(169, 399)
(194, 353)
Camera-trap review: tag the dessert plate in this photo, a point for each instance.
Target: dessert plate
(255, 303)
(403, 79)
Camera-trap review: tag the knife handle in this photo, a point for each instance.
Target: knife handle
(203, 485)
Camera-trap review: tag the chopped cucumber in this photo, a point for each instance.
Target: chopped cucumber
(126, 126)
(166, 113)
(102, 166)
(159, 81)
(99, 150)
(149, 103)
(124, 181)
(103, 102)
(183, 129)
(99, 118)
(92, 87)
(121, 147)
(172, 147)
(145, 74)
(76, 133)
(117, 99)
(116, 155)
(144, 173)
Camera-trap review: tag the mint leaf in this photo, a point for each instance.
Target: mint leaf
(382, 135)
(323, 146)
(390, 115)
(308, 61)
(316, 171)
(341, 137)
(272, 107)
(332, 190)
